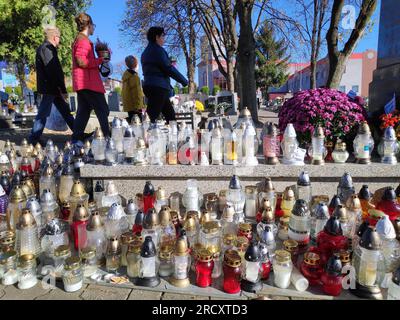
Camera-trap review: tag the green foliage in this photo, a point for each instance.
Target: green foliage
(18, 92)
(185, 90)
(8, 90)
(118, 90)
(176, 89)
(271, 59)
(22, 29)
(216, 89)
(70, 89)
(205, 90)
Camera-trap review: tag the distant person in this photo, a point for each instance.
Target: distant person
(86, 80)
(50, 84)
(132, 93)
(157, 71)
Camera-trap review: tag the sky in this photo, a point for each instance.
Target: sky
(108, 16)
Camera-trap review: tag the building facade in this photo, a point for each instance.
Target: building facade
(357, 75)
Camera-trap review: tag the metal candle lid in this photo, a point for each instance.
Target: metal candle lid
(235, 183)
(116, 212)
(272, 130)
(78, 189)
(364, 128)
(304, 179)
(334, 265)
(341, 213)
(151, 219)
(17, 195)
(116, 123)
(300, 208)
(370, 239)
(131, 207)
(140, 144)
(190, 224)
(55, 227)
(321, 211)
(98, 134)
(311, 258)
(26, 220)
(27, 260)
(346, 181)
(95, 222)
(62, 250)
(81, 213)
(72, 263)
(164, 216)
(205, 217)
(340, 145)
(389, 194)
(333, 226)
(181, 248)
(204, 255)
(148, 189)
(265, 204)
(228, 213)
(113, 245)
(127, 237)
(268, 215)
(211, 227)
(161, 194)
(288, 194)
(111, 189)
(282, 256)
(148, 249)
(353, 203)
(385, 228)
(232, 259)
(364, 193)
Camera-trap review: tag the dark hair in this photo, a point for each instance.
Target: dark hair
(154, 32)
(83, 20)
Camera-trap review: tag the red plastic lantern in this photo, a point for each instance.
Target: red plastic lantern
(232, 272)
(204, 268)
(389, 204)
(332, 277)
(149, 197)
(81, 219)
(311, 268)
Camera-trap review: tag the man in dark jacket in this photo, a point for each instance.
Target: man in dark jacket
(50, 84)
(157, 71)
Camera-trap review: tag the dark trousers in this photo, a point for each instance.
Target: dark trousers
(131, 114)
(158, 102)
(44, 111)
(89, 100)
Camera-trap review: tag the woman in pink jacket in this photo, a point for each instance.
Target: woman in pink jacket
(86, 80)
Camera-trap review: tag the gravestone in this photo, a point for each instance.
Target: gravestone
(386, 80)
(113, 102)
(228, 97)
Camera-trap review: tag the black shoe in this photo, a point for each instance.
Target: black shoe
(88, 136)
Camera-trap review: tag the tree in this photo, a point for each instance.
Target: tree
(314, 18)
(22, 25)
(338, 58)
(271, 59)
(179, 21)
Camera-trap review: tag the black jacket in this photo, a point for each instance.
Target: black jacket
(50, 75)
(157, 68)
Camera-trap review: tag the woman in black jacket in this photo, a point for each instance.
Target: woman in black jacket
(157, 71)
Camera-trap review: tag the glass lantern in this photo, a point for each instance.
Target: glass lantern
(192, 198)
(229, 226)
(148, 271)
(388, 204)
(151, 226)
(267, 237)
(61, 254)
(249, 146)
(181, 262)
(8, 268)
(17, 201)
(292, 154)
(167, 227)
(116, 222)
(368, 261)
(363, 144)
(66, 183)
(131, 211)
(267, 191)
(394, 286)
(126, 238)
(251, 203)
(288, 202)
(73, 274)
(129, 145)
(89, 261)
(166, 267)
(390, 250)
(55, 233)
(137, 126)
(332, 277)
(78, 227)
(267, 220)
(210, 236)
(96, 236)
(340, 154)
(99, 147)
(283, 267)
(217, 147)
(48, 181)
(251, 273)
(27, 238)
(317, 150)
(365, 197)
(157, 147)
(300, 223)
(27, 272)
(303, 189)
(345, 188)
(117, 134)
(271, 144)
(236, 198)
(133, 258)
(149, 196)
(113, 254)
(77, 196)
(231, 149)
(161, 199)
(141, 154)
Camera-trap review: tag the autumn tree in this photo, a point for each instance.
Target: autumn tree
(338, 57)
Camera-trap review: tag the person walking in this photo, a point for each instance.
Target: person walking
(132, 93)
(50, 84)
(86, 80)
(157, 71)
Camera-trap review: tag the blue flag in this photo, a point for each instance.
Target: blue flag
(352, 94)
(391, 105)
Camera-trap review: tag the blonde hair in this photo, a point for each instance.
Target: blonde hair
(51, 31)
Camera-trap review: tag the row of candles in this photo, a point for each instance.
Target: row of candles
(142, 144)
(234, 234)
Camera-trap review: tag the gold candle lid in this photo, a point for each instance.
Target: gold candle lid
(344, 256)
(265, 204)
(204, 255)
(62, 250)
(166, 251)
(250, 189)
(189, 224)
(27, 260)
(26, 188)
(72, 263)
(241, 243)
(78, 189)
(223, 193)
(135, 246)
(88, 253)
(127, 237)
(288, 194)
(17, 195)
(205, 217)
(282, 256)
(211, 227)
(229, 239)
(232, 258)
(181, 248)
(228, 213)
(26, 220)
(353, 203)
(81, 213)
(245, 227)
(164, 216)
(290, 245)
(340, 145)
(161, 194)
(311, 258)
(268, 215)
(113, 245)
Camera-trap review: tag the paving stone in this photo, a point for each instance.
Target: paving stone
(60, 294)
(144, 295)
(13, 293)
(175, 296)
(96, 292)
(303, 298)
(279, 298)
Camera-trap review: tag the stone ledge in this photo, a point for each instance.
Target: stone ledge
(328, 172)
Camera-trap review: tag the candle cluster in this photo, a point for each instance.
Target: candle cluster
(53, 221)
